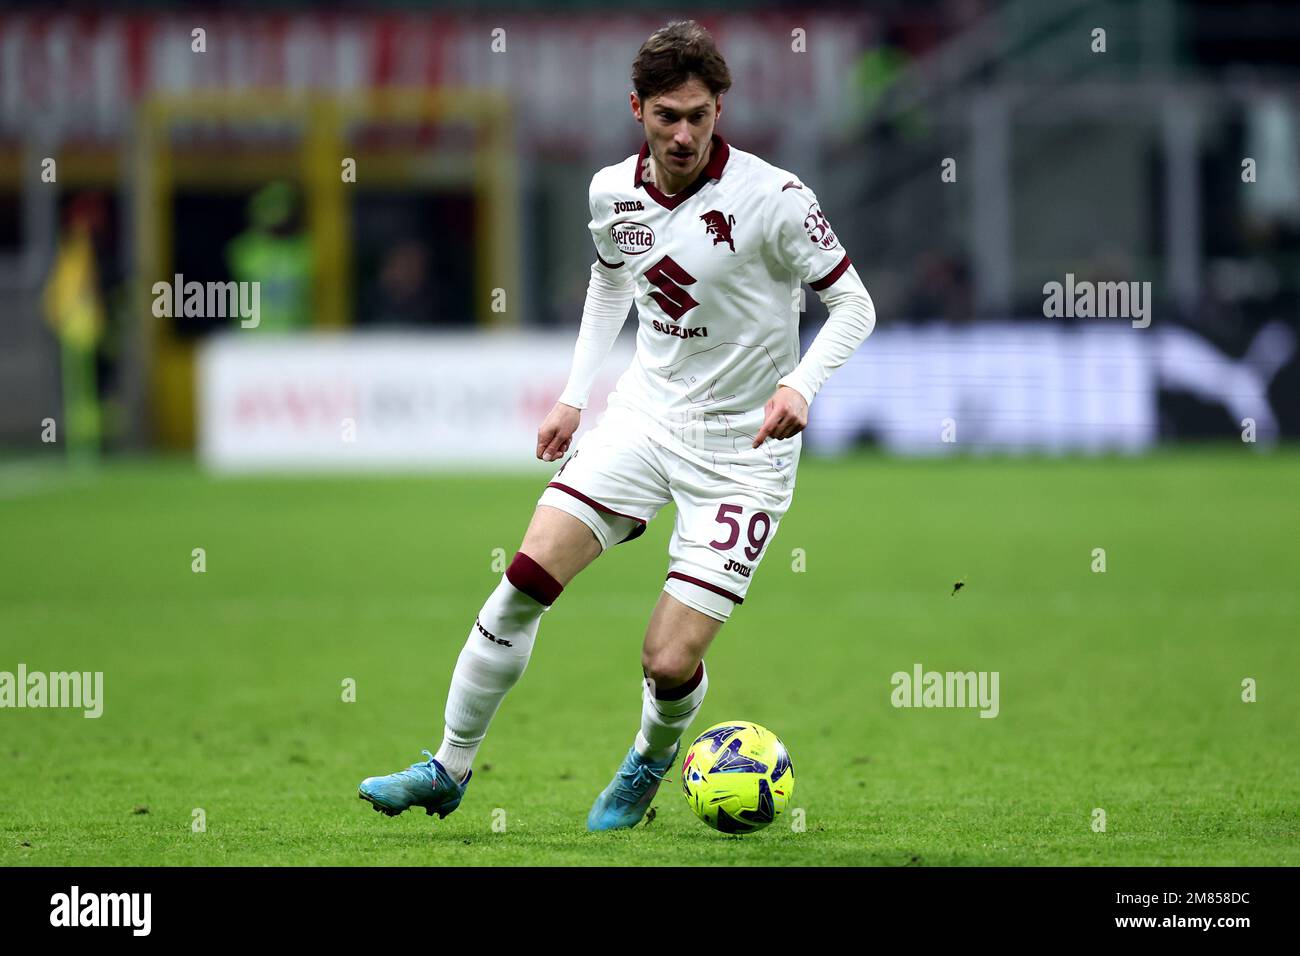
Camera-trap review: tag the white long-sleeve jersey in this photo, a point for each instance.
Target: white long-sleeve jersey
(715, 271)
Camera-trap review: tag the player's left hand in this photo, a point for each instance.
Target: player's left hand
(786, 415)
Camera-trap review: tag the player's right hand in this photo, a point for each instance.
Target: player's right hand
(557, 431)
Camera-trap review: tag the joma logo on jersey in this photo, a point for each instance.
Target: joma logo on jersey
(718, 225)
(700, 332)
(490, 636)
(737, 566)
(628, 205)
(632, 238)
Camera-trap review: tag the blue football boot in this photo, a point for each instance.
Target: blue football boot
(624, 802)
(426, 784)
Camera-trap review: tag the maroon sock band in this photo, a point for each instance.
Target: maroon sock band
(680, 691)
(533, 579)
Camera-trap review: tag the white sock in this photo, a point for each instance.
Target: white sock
(485, 671)
(664, 721)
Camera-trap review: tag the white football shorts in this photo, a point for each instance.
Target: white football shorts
(617, 478)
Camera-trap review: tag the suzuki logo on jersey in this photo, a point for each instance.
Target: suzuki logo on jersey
(632, 238)
(719, 226)
(628, 205)
(668, 278)
(819, 230)
(701, 332)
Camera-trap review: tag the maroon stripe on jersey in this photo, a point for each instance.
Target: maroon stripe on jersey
(533, 579)
(707, 586)
(596, 504)
(717, 163)
(831, 276)
(676, 199)
(609, 265)
(681, 690)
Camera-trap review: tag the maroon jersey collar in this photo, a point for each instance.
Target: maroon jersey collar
(717, 162)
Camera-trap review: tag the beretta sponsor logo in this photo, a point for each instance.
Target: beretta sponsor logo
(632, 238)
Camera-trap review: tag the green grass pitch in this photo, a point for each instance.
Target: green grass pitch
(223, 690)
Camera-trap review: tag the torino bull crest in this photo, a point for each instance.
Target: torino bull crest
(719, 226)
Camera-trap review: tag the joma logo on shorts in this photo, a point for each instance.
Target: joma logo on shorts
(490, 636)
(737, 566)
(664, 327)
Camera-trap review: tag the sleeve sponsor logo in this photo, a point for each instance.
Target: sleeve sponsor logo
(818, 229)
(632, 238)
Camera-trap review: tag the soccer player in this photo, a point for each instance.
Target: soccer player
(712, 243)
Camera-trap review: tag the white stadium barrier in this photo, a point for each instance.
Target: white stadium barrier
(475, 400)
(379, 401)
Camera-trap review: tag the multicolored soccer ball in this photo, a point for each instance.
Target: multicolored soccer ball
(737, 777)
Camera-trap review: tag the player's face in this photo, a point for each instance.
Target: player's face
(678, 127)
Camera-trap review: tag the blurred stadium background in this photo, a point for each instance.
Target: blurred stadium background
(421, 318)
(433, 301)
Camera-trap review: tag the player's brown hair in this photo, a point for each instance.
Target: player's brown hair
(675, 53)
